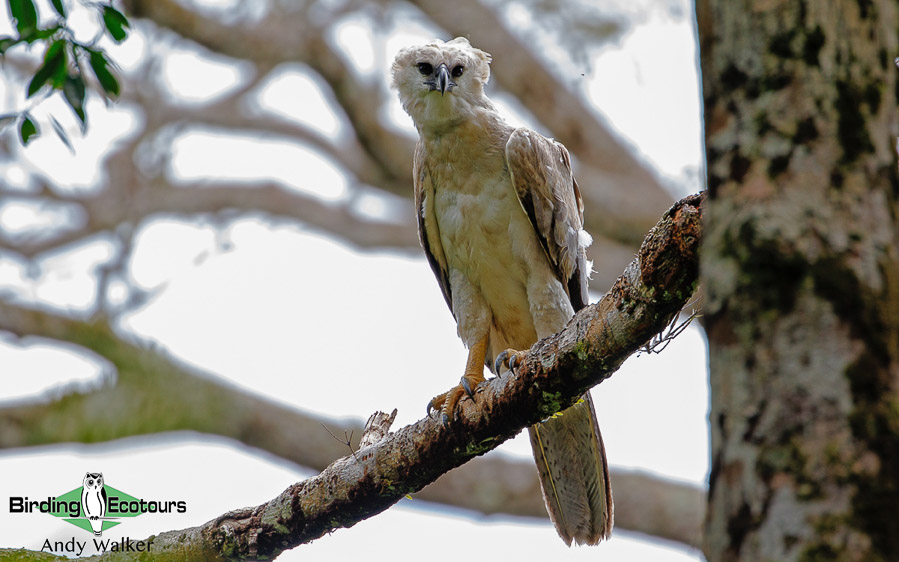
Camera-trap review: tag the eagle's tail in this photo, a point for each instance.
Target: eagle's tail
(574, 473)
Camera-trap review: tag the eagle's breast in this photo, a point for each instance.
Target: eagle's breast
(489, 243)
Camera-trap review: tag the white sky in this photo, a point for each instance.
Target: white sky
(258, 312)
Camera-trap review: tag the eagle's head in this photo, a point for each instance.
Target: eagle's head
(440, 83)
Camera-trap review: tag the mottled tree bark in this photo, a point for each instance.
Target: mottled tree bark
(801, 266)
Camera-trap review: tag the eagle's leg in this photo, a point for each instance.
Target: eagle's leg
(474, 375)
(508, 358)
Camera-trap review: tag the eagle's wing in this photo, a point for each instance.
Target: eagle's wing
(568, 448)
(428, 233)
(542, 178)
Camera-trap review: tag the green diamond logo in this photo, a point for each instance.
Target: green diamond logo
(98, 506)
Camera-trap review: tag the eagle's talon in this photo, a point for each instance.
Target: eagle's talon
(508, 358)
(447, 401)
(437, 403)
(500, 359)
(466, 384)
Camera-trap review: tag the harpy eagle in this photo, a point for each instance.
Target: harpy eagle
(500, 219)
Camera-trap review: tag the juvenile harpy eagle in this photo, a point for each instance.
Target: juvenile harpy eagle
(501, 221)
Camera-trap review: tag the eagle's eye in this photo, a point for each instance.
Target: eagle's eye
(425, 68)
(458, 70)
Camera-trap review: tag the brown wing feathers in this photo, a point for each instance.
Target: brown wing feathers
(420, 178)
(541, 174)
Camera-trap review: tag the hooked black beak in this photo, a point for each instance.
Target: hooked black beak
(441, 80)
(444, 82)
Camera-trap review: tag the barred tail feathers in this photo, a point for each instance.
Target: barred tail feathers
(574, 473)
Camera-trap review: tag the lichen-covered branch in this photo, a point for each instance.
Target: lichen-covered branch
(556, 372)
(154, 390)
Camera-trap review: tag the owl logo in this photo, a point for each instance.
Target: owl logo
(93, 500)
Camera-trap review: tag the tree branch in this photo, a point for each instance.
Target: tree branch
(289, 36)
(374, 155)
(157, 392)
(622, 198)
(235, 113)
(190, 199)
(556, 372)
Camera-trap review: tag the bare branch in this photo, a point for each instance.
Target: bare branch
(622, 198)
(233, 112)
(291, 37)
(556, 372)
(337, 219)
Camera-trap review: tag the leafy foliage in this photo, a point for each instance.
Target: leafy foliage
(27, 129)
(100, 66)
(116, 23)
(65, 60)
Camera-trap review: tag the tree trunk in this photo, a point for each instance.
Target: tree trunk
(801, 267)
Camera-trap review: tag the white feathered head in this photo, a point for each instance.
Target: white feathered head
(440, 81)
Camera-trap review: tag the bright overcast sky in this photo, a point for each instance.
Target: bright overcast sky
(246, 300)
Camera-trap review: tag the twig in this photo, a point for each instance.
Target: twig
(660, 341)
(347, 439)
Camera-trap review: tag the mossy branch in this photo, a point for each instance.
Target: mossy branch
(557, 370)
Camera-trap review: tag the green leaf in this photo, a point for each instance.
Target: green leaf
(59, 7)
(116, 23)
(28, 130)
(73, 91)
(61, 133)
(25, 14)
(101, 70)
(55, 49)
(54, 68)
(40, 34)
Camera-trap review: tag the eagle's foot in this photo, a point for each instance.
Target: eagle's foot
(447, 401)
(438, 402)
(510, 359)
(474, 375)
